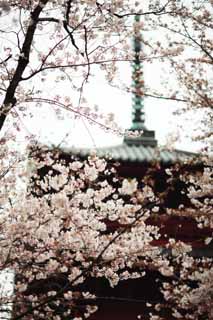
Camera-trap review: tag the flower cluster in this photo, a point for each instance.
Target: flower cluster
(60, 233)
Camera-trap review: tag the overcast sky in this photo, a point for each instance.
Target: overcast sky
(159, 113)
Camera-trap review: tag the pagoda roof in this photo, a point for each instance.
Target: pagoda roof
(135, 154)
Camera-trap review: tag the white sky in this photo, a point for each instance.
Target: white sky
(159, 115)
(158, 112)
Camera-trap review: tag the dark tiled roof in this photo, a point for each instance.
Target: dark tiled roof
(133, 153)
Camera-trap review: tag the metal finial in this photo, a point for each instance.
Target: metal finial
(138, 116)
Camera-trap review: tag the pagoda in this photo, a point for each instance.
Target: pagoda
(140, 157)
(137, 148)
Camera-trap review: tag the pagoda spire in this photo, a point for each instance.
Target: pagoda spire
(138, 114)
(138, 111)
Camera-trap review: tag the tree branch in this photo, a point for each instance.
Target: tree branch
(161, 11)
(68, 10)
(165, 98)
(5, 60)
(85, 64)
(23, 61)
(197, 43)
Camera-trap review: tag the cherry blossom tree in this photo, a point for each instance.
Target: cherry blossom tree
(61, 235)
(58, 233)
(188, 33)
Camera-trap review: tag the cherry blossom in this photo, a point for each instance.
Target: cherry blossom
(63, 222)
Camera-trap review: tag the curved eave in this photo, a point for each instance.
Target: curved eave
(136, 154)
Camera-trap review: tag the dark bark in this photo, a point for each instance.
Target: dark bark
(10, 99)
